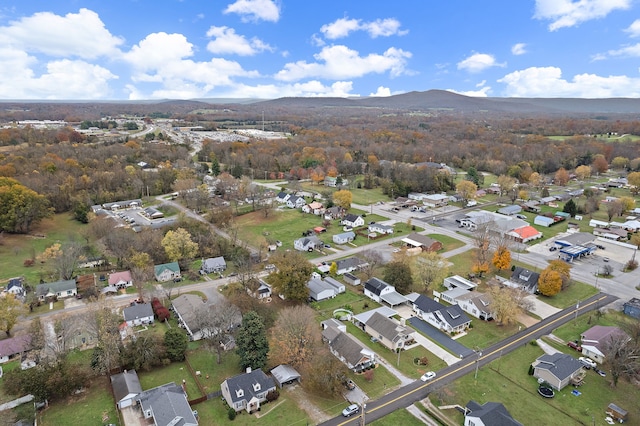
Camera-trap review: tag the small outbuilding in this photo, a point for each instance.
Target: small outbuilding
(285, 375)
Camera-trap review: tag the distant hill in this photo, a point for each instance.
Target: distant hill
(444, 100)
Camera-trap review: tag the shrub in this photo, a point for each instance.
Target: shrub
(231, 413)
(368, 375)
(272, 395)
(424, 361)
(28, 262)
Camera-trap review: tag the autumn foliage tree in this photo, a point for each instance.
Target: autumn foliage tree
(562, 177)
(550, 282)
(343, 198)
(20, 207)
(507, 303)
(179, 246)
(467, 190)
(502, 258)
(292, 273)
(295, 337)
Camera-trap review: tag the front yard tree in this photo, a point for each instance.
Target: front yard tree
(325, 373)
(562, 268)
(502, 258)
(373, 259)
(507, 303)
(430, 269)
(343, 198)
(293, 272)
(570, 207)
(140, 264)
(550, 282)
(398, 274)
(622, 356)
(10, 309)
(506, 184)
(175, 343)
(482, 243)
(178, 246)
(295, 337)
(251, 342)
(466, 190)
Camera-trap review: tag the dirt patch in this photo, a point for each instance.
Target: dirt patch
(527, 321)
(300, 397)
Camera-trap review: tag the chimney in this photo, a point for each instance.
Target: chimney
(248, 370)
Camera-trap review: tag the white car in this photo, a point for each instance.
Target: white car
(351, 410)
(429, 375)
(589, 363)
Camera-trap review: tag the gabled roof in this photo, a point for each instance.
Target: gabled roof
(247, 385)
(317, 286)
(188, 306)
(452, 315)
(122, 276)
(418, 240)
(171, 266)
(169, 405)
(55, 287)
(559, 365)
(527, 232)
(350, 217)
(376, 285)
(383, 310)
(350, 262)
(345, 346)
(525, 277)
(137, 311)
(491, 413)
(15, 345)
(387, 328)
(348, 234)
(215, 262)
(600, 335)
(285, 373)
(125, 383)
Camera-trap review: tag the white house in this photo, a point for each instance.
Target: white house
(344, 237)
(307, 243)
(488, 414)
(450, 319)
(456, 281)
(295, 202)
(138, 314)
(282, 197)
(435, 200)
(248, 390)
(350, 264)
(213, 264)
(126, 387)
(320, 290)
(382, 292)
(337, 285)
(121, 279)
(352, 220)
(59, 289)
(380, 228)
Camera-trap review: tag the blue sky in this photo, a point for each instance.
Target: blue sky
(186, 49)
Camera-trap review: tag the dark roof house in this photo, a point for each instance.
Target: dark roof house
(126, 386)
(167, 405)
(248, 390)
(489, 414)
(558, 369)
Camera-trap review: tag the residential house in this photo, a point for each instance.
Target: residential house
(167, 405)
(138, 314)
(122, 205)
(167, 272)
(295, 202)
(309, 243)
(615, 234)
(334, 182)
(319, 290)
(285, 375)
(415, 240)
(598, 224)
(337, 285)
(126, 387)
(450, 319)
(352, 220)
(13, 346)
(382, 292)
(523, 279)
(388, 332)
(598, 338)
(16, 288)
(349, 264)
(361, 319)
(315, 208)
(248, 390)
(488, 414)
(120, 280)
(282, 197)
(59, 289)
(333, 213)
(379, 228)
(476, 304)
(344, 237)
(351, 279)
(456, 281)
(348, 350)
(558, 370)
(213, 265)
(632, 308)
(543, 221)
(261, 290)
(332, 322)
(187, 307)
(417, 196)
(152, 213)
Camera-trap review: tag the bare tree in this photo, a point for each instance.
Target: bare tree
(622, 355)
(217, 321)
(431, 269)
(374, 260)
(295, 337)
(507, 303)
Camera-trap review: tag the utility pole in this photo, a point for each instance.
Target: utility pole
(577, 307)
(477, 363)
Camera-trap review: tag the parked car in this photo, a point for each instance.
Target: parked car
(350, 384)
(606, 259)
(589, 363)
(521, 216)
(575, 346)
(351, 410)
(600, 372)
(553, 248)
(429, 375)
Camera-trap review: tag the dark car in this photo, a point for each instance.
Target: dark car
(553, 248)
(601, 372)
(575, 346)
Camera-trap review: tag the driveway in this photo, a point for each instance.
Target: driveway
(440, 337)
(540, 308)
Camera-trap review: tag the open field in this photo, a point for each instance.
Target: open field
(399, 417)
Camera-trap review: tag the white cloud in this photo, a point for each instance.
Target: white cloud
(482, 93)
(518, 49)
(379, 28)
(627, 51)
(634, 29)
(339, 62)
(548, 82)
(382, 92)
(311, 88)
(80, 34)
(255, 10)
(569, 13)
(478, 62)
(482, 83)
(226, 40)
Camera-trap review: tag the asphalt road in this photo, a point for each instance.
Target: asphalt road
(418, 390)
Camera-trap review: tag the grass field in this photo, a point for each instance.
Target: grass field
(398, 417)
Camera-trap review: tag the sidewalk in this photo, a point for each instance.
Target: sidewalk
(12, 404)
(404, 380)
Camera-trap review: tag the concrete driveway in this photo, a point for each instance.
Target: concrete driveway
(540, 308)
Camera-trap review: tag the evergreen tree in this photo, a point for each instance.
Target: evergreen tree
(571, 208)
(251, 343)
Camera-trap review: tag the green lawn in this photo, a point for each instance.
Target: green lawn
(95, 406)
(568, 297)
(399, 417)
(284, 411)
(448, 243)
(382, 381)
(486, 333)
(462, 263)
(174, 372)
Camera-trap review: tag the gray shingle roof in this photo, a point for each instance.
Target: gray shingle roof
(375, 285)
(169, 405)
(125, 383)
(247, 383)
(137, 311)
(55, 287)
(388, 328)
(560, 365)
(492, 413)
